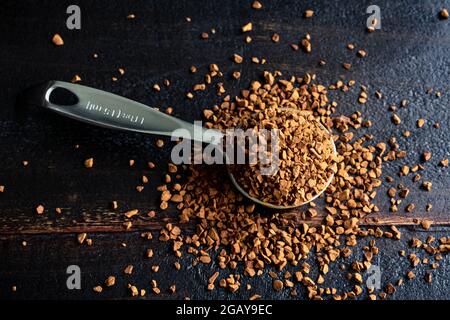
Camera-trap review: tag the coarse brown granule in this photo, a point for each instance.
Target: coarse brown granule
(97, 289)
(81, 237)
(426, 156)
(110, 281)
(57, 40)
(76, 78)
(2, 188)
(40, 209)
(444, 162)
(420, 123)
(131, 16)
(131, 213)
(275, 37)
(89, 163)
(257, 5)
(396, 119)
(159, 143)
(309, 13)
(128, 269)
(156, 87)
(121, 71)
(426, 185)
(443, 14)
(134, 291)
(247, 27)
(237, 58)
(426, 224)
(346, 65)
(362, 53)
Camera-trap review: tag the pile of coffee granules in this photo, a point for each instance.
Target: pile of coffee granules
(306, 152)
(229, 224)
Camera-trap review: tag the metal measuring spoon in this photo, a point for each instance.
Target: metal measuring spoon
(112, 111)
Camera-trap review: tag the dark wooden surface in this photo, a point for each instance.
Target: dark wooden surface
(408, 55)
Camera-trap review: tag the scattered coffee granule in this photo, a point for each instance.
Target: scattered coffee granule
(2, 188)
(443, 14)
(420, 123)
(40, 209)
(237, 58)
(81, 237)
(257, 5)
(25, 163)
(442, 163)
(362, 53)
(308, 13)
(410, 207)
(114, 205)
(110, 281)
(76, 78)
(134, 291)
(426, 185)
(306, 43)
(426, 224)
(57, 40)
(97, 289)
(159, 143)
(346, 65)
(121, 71)
(236, 75)
(128, 269)
(155, 268)
(275, 37)
(156, 87)
(89, 163)
(426, 155)
(247, 27)
(396, 119)
(410, 275)
(131, 213)
(131, 16)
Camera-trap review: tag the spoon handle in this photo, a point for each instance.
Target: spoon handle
(108, 110)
